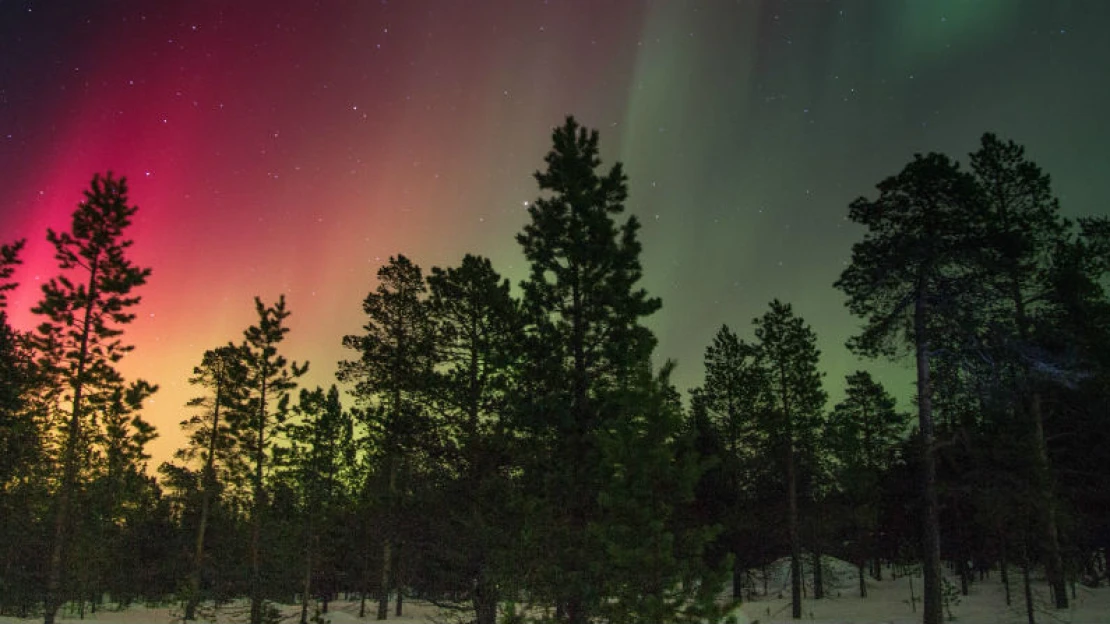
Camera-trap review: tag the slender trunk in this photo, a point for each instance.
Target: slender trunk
(398, 571)
(818, 575)
(737, 578)
(386, 580)
(795, 548)
(931, 599)
(256, 513)
(1028, 588)
(205, 501)
(1004, 566)
(862, 569)
(70, 457)
(1054, 565)
(306, 585)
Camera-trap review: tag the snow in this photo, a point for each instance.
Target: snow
(888, 602)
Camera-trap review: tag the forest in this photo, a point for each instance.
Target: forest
(518, 453)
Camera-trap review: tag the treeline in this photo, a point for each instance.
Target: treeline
(523, 458)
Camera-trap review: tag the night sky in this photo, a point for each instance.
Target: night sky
(292, 147)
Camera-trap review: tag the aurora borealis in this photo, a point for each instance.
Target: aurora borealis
(292, 147)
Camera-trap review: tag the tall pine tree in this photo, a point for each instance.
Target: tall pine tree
(79, 339)
(478, 327)
(269, 378)
(788, 351)
(395, 360)
(590, 402)
(907, 275)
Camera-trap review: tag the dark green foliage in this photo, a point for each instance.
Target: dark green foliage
(863, 437)
(479, 334)
(592, 409)
(9, 259)
(787, 350)
(213, 447)
(396, 357)
(734, 402)
(912, 280)
(268, 380)
(318, 437)
(78, 342)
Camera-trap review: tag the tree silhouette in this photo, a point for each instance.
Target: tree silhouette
(396, 355)
(78, 341)
(479, 330)
(865, 428)
(788, 351)
(268, 380)
(907, 274)
(221, 374)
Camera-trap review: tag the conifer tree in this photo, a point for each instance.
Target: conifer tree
(78, 340)
(735, 395)
(396, 356)
(864, 430)
(316, 437)
(268, 380)
(18, 433)
(908, 274)
(478, 325)
(1022, 230)
(788, 351)
(211, 443)
(590, 401)
(21, 458)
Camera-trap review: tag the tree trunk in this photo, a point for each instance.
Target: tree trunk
(256, 513)
(306, 586)
(1054, 565)
(70, 457)
(737, 577)
(965, 571)
(386, 579)
(205, 501)
(931, 599)
(1004, 566)
(1028, 588)
(818, 575)
(862, 568)
(795, 547)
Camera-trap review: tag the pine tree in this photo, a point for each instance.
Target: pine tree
(865, 429)
(78, 341)
(907, 275)
(211, 443)
(116, 496)
(788, 351)
(478, 324)
(734, 395)
(1022, 230)
(18, 432)
(396, 356)
(21, 458)
(316, 437)
(269, 378)
(589, 401)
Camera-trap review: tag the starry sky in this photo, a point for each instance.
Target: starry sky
(292, 147)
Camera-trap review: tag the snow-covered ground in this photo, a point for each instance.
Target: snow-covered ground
(888, 602)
